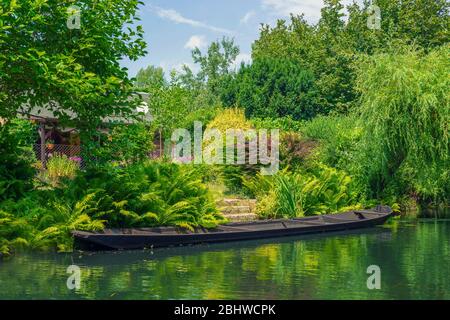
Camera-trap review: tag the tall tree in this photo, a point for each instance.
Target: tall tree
(330, 47)
(151, 76)
(274, 88)
(423, 23)
(216, 63)
(53, 53)
(405, 113)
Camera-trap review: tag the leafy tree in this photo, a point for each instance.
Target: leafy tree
(128, 143)
(75, 71)
(218, 60)
(275, 88)
(151, 76)
(405, 114)
(216, 63)
(16, 158)
(330, 48)
(215, 75)
(316, 48)
(190, 97)
(187, 79)
(295, 40)
(419, 22)
(178, 107)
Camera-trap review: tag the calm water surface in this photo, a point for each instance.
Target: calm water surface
(413, 254)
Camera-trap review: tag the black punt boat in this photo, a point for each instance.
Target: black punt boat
(138, 238)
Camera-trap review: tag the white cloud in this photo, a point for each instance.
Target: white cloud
(176, 17)
(168, 66)
(311, 8)
(242, 57)
(247, 17)
(195, 41)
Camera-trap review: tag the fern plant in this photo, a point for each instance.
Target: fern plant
(297, 194)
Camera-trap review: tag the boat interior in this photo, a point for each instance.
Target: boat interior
(303, 222)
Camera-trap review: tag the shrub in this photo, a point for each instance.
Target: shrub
(123, 144)
(140, 195)
(16, 158)
(295, 146)
(59, 166)
(288, 194)
(284, 124)
(176, 107)
(148, 194)
(233, 118)
(44, 228)
(130, 143)
(295, 149)
(235, 175)
(337, 137)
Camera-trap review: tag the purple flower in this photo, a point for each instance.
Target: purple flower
(76, 159)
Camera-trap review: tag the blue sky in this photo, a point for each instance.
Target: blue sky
(174, 27)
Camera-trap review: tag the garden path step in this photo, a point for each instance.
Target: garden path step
(236, 202)
(238, 209)
(235, 209)
(241, 217)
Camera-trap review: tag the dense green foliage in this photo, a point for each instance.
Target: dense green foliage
(176, 107)
(405, 110)
(143, 195)
(45, 225)
(329, 48)
(216, 63)
(58, 167)
(284, 124)
(232, 175)
(271, 88)
(189, 97)
(118, 142)
(337, 138)
(288, 195)
(363, 116)
(396, 144)
(43, 61)
(128, 143)
(16, 158)
(150, 77)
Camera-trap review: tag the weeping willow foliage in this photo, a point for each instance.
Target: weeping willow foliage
(405, 115)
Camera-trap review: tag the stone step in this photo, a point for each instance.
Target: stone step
(236, 202)
(241, 217)
(235, 209)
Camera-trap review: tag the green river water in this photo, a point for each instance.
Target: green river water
(413, 254)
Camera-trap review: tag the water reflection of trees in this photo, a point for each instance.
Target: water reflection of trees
(411, 258)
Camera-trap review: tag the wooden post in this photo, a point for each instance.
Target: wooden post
(160, 144)
(42, 137)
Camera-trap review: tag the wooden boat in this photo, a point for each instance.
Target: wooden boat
(138, 238)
